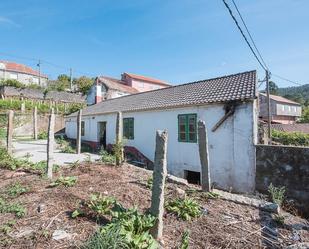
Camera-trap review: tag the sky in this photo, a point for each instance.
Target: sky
(177, 41)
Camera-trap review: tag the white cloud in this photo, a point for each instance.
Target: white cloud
(7, 21)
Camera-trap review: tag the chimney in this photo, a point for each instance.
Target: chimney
(98, 91)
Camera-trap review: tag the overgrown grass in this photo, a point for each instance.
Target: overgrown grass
(276, 194)
(107, 157)
(43, 135)
(290, 138)
(185, 209)
(16, 189)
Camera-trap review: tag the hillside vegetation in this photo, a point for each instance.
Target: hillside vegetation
(297, 93)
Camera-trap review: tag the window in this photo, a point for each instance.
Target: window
(128, 128)
(13, 76)
(187, 128)
(83, 128)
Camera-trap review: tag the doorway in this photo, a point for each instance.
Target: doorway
(102, 134)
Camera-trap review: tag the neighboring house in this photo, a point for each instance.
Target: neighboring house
(65, 97)
(108, 88)
(301, 128)
(227, 105)
(282, 110)
(22, 73)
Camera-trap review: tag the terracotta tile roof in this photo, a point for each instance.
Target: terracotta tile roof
(20, 68)
(303, 128)
(280, 99)
(118, 85)
(147, 79)
(237, 87)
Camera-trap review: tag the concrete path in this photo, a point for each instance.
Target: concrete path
(38, 149)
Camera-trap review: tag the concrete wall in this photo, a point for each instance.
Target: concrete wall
(231, 146)
(284, 166)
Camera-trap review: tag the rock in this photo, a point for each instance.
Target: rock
(177, 180)
(180, 193)
(41, 208)
(205, 211)
(24, 232)
(61, 234)
(304, 245)
(295, 236)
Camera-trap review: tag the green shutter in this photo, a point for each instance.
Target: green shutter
(128, 128)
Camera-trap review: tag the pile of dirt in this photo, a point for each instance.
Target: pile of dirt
(48, 222)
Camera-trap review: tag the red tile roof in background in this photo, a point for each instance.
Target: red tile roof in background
(281, 99)
(148, 79)
(20, 68)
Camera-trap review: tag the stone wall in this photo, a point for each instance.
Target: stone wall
(284, 166)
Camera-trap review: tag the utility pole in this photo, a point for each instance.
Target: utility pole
(268, 107)
(71, 79)
(39, 66)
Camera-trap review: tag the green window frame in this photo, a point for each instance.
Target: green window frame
(128, 128)
(187, 128)
(82, 128)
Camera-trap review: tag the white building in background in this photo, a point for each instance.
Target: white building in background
(108, 88)
(22, 73)
(228, 105)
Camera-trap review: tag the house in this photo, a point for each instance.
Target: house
(22, 73)
(109, 88)
(282, 110)
(228, 106)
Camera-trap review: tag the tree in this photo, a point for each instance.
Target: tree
(12, 82)
(273, 88)
(305, 115)
(83, 84)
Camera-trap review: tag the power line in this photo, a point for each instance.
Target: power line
(250, 36)
(291, 81)
(244, 36)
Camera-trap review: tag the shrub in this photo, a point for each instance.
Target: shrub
(107, 157)
(276, 194)
(16, 189)
(43, 135)
(291, 138)
(101, 205)
(184, 208)
(67, 181)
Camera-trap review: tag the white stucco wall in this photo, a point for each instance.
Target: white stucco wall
(231, 146)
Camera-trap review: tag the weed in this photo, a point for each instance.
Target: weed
(279, 219)
(14, 208)
(76, 213)
(149, 182)
(43, 135)
(184, 208)
(75, 164)
(101, 205)
(67, 181)
(7, 227)
(16, 189)
(107, 157)
(185, 240)
(211, 195)
(88, 158)
(276, 194)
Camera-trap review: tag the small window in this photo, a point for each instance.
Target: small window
(13, 76)
(83, 128)
(128, 128)
(193, 177)
(187, 128)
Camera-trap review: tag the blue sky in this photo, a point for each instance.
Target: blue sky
(177, 41)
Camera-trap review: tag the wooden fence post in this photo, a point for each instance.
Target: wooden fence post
(204, 156)
(159, 175)
(50, 144)
(35, 123)
(79, 131)
(9, 138)
(119, 155)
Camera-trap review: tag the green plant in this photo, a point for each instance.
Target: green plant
(65, 146)
(76, 213)
(101, 205)
(16, 189)
(7, 227)
(43, 135)
(107, 157)
(290, 138)
(14, 208)
(185, 240)
(276, 194)
(211, 195)
(149, 182)
(184, 208)
(279, 219)
(67, 181)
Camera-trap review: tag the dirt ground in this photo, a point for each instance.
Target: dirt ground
(224, 225)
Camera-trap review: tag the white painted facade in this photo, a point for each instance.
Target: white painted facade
(231, 146)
